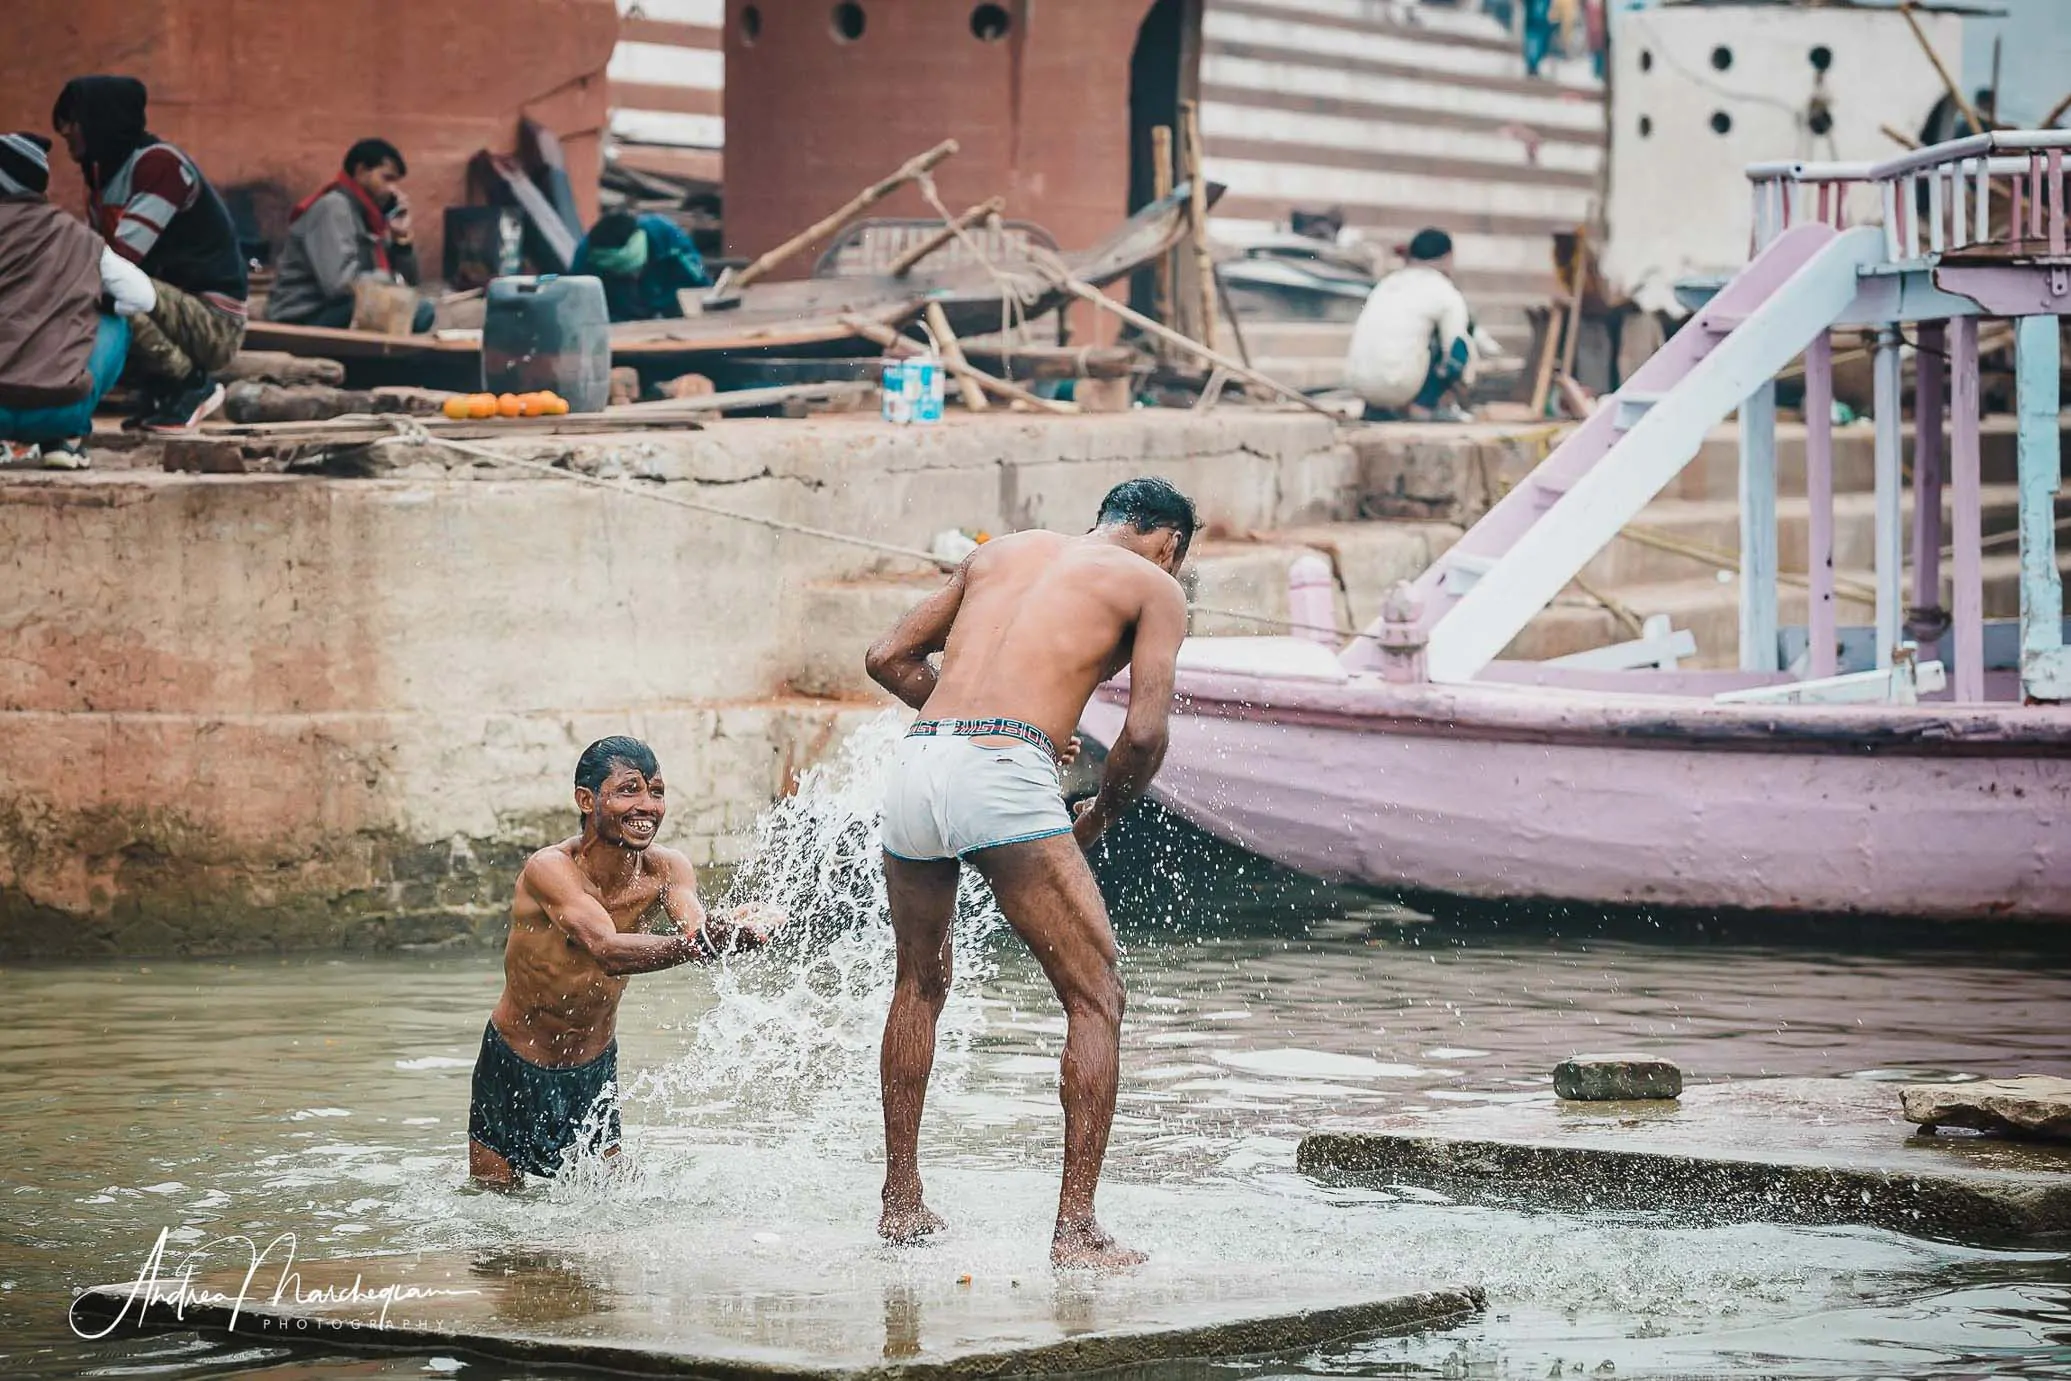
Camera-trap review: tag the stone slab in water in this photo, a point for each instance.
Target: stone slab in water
(1608, 1078)
(1777, 1150)
(912, 1318)
(2036, 1106)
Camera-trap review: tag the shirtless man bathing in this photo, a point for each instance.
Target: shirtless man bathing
(1027, 628)
(547, 1076)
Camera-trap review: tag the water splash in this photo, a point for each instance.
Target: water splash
(789, 1047)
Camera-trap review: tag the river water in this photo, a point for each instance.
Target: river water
(327, 1098)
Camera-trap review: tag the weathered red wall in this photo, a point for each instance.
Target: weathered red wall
(274, 91)
(1042, 115)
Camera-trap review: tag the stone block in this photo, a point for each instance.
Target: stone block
(1603, 1078)
(2036, 1107)
(1453, 473)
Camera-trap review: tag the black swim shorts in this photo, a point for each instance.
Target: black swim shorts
(531, 1115)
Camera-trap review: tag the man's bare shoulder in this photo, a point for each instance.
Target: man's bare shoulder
(553, 864)
(1030, 542)
(670, 865)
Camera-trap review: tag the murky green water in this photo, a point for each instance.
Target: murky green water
(328, 1098)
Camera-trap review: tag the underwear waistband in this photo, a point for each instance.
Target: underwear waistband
(983, 728)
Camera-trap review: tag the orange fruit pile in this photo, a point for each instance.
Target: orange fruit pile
(463, 406)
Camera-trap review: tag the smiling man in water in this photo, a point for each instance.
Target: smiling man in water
(546, 1080)
(1027, 628)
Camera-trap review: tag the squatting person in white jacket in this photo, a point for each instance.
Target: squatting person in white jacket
(1415, 341)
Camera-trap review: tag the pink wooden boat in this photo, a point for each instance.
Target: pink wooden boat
(1410, 758)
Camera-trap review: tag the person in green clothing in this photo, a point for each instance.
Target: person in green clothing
(643, 261)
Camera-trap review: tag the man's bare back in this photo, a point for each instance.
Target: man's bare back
(1027, 628)
(1043, 620)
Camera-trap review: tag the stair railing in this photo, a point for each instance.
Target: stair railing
(1960, 178)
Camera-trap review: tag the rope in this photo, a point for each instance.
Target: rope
(410, 433)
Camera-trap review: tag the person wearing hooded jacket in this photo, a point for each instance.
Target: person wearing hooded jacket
(151, 203)
(65, 329)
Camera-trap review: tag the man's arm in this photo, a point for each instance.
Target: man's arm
(556, 883)
(1134, 757)
(899, 660)
(330, 231)
(738, 931)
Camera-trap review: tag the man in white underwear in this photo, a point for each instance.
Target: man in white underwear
(1027, 627)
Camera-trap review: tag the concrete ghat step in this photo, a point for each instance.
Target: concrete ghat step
(1250, 577)
(1710, 609)
(650, 1304)
(1768, 1150)
(846, 616)
(1716, 523)
(1715, 472)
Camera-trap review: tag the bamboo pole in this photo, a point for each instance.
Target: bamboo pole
(2056, 113)
(1197, 216)
(1161, 188)
(727, 290)
(953, 356)
(1977, 124)
(1088, 293)
(892, 340)
(903, 265)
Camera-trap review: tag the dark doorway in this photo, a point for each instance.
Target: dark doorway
(1161, 71)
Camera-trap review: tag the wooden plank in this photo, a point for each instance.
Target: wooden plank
(1758, 647)
(903, 265)
(1087, 293)
(730, 284)
(1966, 521)
(1890, 534)
(1161, 187)
(1927, 471)
(1819, 496)
(1197, 218)
(2037, 365)
(953, 356)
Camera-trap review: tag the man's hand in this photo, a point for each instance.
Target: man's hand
(1070, 753)
(747, 927)
(399, 219)
(1087, 823)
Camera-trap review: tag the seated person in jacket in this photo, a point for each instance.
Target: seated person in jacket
(152, 205)
(1415, 341)
(354, 225)
(643, 261)
(66, 330)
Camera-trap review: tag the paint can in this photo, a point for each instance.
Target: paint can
(912, 390)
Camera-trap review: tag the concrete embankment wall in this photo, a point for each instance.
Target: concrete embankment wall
(254, 712)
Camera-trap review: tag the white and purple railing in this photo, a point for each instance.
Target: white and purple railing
(1959, 179)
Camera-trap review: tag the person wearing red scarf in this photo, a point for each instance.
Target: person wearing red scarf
(356, 224)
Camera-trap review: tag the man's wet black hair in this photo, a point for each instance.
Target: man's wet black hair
(613, 229)
(1428, 244)
(1149, 505)
(372, 153)
(606, 754)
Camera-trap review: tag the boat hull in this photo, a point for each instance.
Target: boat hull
(1500, 796)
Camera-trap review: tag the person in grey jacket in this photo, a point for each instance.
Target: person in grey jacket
(356, 224)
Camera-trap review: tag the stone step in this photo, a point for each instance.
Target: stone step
(1710, 609)
(846, 616)
(1715, 472)
(1249, 578)
(1715, 523)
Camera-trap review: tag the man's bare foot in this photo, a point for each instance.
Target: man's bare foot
(904, 1224)
(1088, 1247)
